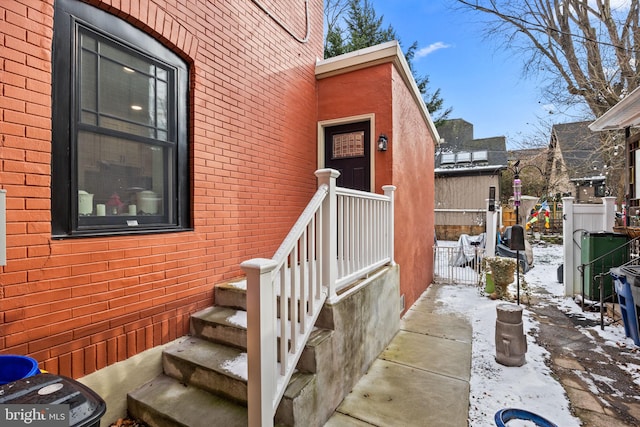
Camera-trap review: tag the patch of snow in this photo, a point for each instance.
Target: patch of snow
(238, 319)
(588, 380)
(237, 366)
(493, 386)
(242, 284)
(532, 386)
(634, 371)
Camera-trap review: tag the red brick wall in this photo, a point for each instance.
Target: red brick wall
(78, 305)
(408, 164)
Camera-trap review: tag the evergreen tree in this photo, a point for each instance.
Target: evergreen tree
(364, 29)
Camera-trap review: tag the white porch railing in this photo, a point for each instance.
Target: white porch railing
(341, 236)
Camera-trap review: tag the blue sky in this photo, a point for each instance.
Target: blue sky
(482, 84)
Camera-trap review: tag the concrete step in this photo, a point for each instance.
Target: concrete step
(298, 401)
(228, 326)
(232, 294)
(213, 367)
(209, 370)
(206, 381)
(221, 324)
(318, 339)
(168, 402)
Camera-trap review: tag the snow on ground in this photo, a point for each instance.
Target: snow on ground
(532, 386)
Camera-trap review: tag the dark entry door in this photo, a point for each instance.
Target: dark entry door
(347, 149)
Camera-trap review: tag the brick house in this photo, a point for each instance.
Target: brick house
(148, 148)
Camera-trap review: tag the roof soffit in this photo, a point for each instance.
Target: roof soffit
(383, 53)
(624, 114)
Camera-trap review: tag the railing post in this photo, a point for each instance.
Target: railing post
(329, 226)
(568, 246)
(261, 341)
(389, 191)
(609, 215)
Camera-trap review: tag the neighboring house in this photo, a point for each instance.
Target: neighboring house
(530, 158)
(466, 170)
(147, 152)
(575, 163)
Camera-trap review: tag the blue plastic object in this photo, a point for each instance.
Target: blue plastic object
(14, 367)
(627, 304)
(505, 415)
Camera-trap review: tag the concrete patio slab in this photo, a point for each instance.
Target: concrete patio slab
(422, 376)
(391, 394)
(450, 326)
(440, 356)
(340, 420)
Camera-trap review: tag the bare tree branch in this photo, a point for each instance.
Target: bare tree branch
(592, 49)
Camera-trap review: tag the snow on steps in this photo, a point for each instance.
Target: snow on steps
(205, 376)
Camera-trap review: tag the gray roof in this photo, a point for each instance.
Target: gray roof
(455, 133)
(580, 147)
(469, 170)
(467, 152)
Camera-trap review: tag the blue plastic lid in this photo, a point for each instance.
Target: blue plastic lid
(14, 367)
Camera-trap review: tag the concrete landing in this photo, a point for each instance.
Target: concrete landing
(420, 379)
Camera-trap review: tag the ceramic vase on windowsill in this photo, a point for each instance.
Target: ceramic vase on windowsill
(502, 270)
(114, 204)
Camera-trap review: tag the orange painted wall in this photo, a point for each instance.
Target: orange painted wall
(78, 305)
(362, 92)
(408, 164)
(413, 164)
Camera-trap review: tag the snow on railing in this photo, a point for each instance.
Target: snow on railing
(341, 236)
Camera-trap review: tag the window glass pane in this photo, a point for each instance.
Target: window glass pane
(346, 145)
(125, 57)
(127, 99)
(89, 74)
(119, 128)
(89, 118)
(88, 42)
(128, 92)
(163, 105)
(128, 178)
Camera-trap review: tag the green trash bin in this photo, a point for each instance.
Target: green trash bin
(599, 253)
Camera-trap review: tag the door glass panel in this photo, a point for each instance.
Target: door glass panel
(347, 145)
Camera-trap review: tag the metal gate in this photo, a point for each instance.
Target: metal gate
(445, 269)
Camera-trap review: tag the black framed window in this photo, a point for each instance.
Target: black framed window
(120, 150)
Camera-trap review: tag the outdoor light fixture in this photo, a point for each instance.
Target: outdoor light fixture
(382, 142)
